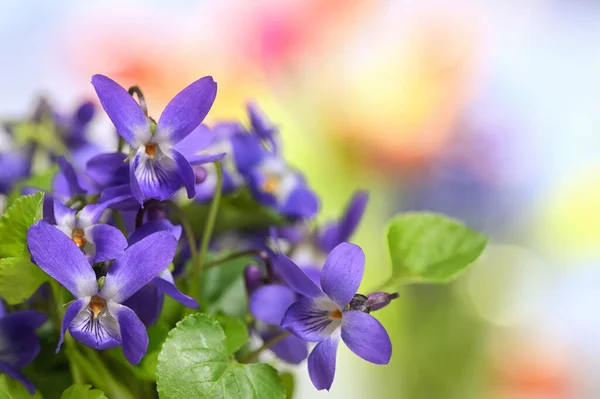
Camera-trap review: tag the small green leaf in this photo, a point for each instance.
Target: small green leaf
(82, 392)
(15, 222)
(195, 362)
(19, 278)
(223, 287)
(12, 389)
(432, 248)
(287, 379)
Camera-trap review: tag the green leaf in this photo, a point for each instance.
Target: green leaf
(42, 181)
(432, 248)
(287, 379)
(15, 222)
(19, 278)
(82, 392)
(236, 333)
(222, 286)
(12, 389)
(195, 362)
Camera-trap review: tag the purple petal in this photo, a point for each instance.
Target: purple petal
(186, 173)
(310, 319)
(133, 333)
(136, 190)
(98, 333)
(187, 110)
(338, 232)
(85, 113)
(270, 302)
(261, 124)
(91, 214)
(147, 303)
(20, 342)
(166, 284)
(68, 172)
(202, 159)
(72, 311)
(108, 240)
(108, 170)
(247, 151)
(296, 278)
(301, 202)
(158, 178)
(154, 226)
(61, 258)
(63, 215)
(291, 349)
(366, 337)
(198, 140)
(123, 111)
(343, 272)
(321, 363)
(141, 263)
(15, 374)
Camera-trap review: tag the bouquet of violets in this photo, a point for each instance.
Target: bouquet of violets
(186, 263)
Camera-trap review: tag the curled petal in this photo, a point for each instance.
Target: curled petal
(187, 110)
(72, 311)
(61, 258)
(102, 332)
(71, 179)
(166, 284)
(186, 173)
(343, 272)
(270, 302)
(291, 349)
(108, 170)
(321, 363)
(123, 111)
(139, 265)
(157, 178)
(301, 202)
(147, 303)
(338, 232)
(366, 337)
(133, 333)
(152, 227)
(136, 190)
(12, 372)
(311, 318)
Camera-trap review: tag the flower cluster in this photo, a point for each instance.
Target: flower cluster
(118, 233)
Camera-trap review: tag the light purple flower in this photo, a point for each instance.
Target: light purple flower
(97, 317)
(326, 314)
(157, 169)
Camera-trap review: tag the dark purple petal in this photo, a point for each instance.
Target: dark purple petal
(69, 174)
(85, 113)
(301, 202)
(291, 349)
(366, 337)
(378, 300)
(136, 190)
(158, 178)
(270, 302)
(70, 314)
(15, 374)
(310, 319)
(343, 272)
(147, 303)
(321, 363)
(166, 284)
(133, 334)
(152, 227)
(108, 240)
(247, 151)
(187, 110)
(296, 278)
(123, 111)
(61, 258)
(340, 231)
(20, 342)
(252, 278)
(108, 170)
(91, 214)
(141, 263)
(186, 173)
(261, 125)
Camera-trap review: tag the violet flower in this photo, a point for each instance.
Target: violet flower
(97, 317)
(19, 344)
(157, 169)
(328, 313)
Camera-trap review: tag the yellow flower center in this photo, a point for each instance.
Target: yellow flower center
(97, 305)
(336, 314)
(150, 149)
(78, 237)
(271, 184)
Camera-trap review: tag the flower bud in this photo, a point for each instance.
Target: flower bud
(200, 174)
(378, 300)
(252, 278)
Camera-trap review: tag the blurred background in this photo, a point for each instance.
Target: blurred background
(485, 111)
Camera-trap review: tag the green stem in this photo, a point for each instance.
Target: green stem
(119, 221)
(259, 254)
(207, 233)
(189, 232)
(252, 356)
(100, 376)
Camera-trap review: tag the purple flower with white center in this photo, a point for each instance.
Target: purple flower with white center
(147, 302)
(327, 313)
(100, 242)
(274, 183)
(157, 169)
(97, 317)
(19, 344)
